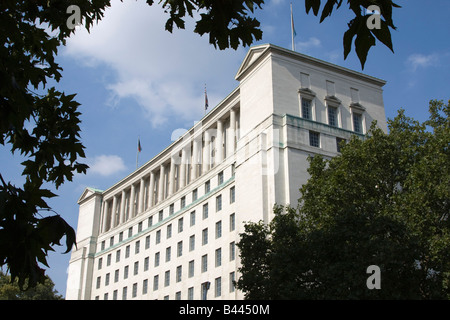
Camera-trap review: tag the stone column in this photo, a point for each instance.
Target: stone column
(161, 183)
(232, 132)
(141, 196)
(183, 168)
(151, 188)
(206, 153)
(219, 143)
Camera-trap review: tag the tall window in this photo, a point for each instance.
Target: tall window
(232, 195)
(219, 203)
(357, 122)
(205, 236)
(314, 139)
(332, 116)
(306, 109)
(205, 211)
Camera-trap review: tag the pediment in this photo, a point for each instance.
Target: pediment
(252, 56)
(88, 193)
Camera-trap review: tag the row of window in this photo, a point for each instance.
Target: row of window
(191, 268)
(171, 212)
(314, 140)
(306, 113)
(204, 287)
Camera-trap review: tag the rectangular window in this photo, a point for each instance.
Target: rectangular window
(190, 293)
(178, 274)
(232, 195)
(220, 178)
(136, 247)
(108, 260)
(191, 269)
(125, 272)
(357, 123)
(232, 279)
(130, 232)
(218, 203)
(180, 225)
(232, 251)
(136, 268)
(124, 293)
(218, 287)
(155, 282)
(169, 231)
(150, 221)
(218, 257)
(218, 229)
(205, 211)
(232, 222)
(160, 215)
(192, 218)
(205, 263)
(147, 242)
(157, 255)
(158, 236)
(314, 139)
(306, 109)
(117, 255)
(171, 209)
(146, 263)
(167, 278)
(332, 116)
(205, 236)
(183, 202)
(192, 243)
(339, 142)
(145, 286)
(116, 275)
(127, 251)
(139, 226)
(120, 236)
(134, 293)
(194, 194)
(207, 186)
(168, 253)
(99, 267)
(180, 249)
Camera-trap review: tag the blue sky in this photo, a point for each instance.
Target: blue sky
(134, 79)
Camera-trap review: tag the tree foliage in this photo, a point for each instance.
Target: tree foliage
(384, 201)
(10, 290)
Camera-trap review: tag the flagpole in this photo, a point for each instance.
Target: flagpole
(292, 29)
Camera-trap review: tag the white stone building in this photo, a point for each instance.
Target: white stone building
(169, 230)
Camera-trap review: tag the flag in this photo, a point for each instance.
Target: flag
(139, 145)
(206, 100)
(293, 29)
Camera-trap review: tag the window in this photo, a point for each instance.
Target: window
(180, 225)
(306, 109)
(169, 231)
(232, 251)
(171, 209)
(167, 278)
(192, 218)
(145, 286)
(220, 178)
(155, 282)
(111, 241)
(168, 253)
(232, 222)
(100, 263)
(232, 279)
(157, 255)
(150, 221)
(136, 268)
(125, 272)
(332, 116)
(218, 257)
(339, 142)
(158, 236)
(218, 229)
(192, 243)
(183, 202)
(179, 248)
(127, 251)
(178, 274)
(232, 195)
(191, 293)
(205, 211)
(147, 242)
(99, 280)
(160, 215)
(130, 232)
(191, 269)
(194, 194)
(116, 275)
(207, 186)
(357, 122)
(218, 287)
(314, 139)
(219, 203)
(205, 263)
(136, 247)
(117, 255)
(146, 263)
(140, 226)
(120, 236)
(205, 236)
(134, 293)
(124, 293)
(178, 295)
(108, 260)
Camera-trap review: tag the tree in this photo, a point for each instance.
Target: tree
(42, 124)
(384, 201)
(10, 290)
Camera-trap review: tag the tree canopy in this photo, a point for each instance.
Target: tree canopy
(10, 290)
(384, 201)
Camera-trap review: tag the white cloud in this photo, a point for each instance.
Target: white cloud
(419, 60)
(106, 165)
(165, 73)
(306, 46)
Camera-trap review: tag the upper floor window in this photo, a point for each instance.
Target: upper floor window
(357, 122)
(306, 109)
